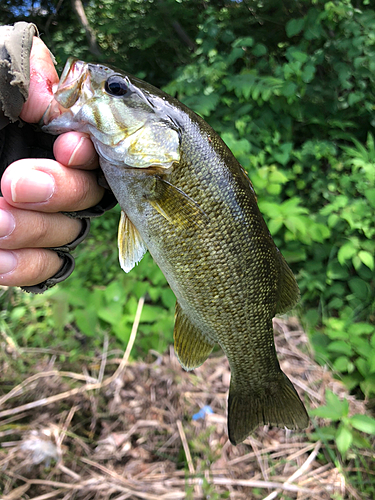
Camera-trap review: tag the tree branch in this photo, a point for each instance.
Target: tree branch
(80, 12)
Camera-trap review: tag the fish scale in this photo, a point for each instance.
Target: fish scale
(195, 210)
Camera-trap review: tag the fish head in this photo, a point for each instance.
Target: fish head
(126, 118)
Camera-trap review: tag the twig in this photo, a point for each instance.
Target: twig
(65, 427)
(36, 376)
(259, 458)
(197, 486)
(129, 347)
(77, 390)
(186, 447)
(298, 472)
(51, 494)
(17, 493)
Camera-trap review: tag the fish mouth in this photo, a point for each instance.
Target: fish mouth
(74, 82)
(74, 79)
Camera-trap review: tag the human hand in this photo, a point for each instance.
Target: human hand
(36, 190)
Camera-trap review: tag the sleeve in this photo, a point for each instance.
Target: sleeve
(22, 140)
(15, 46)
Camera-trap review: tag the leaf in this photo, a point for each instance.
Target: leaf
(370, 196)
(168, 298)
(346, 252)
(151, 313)
(341, 364)
(359, 288)
(344, 439)
(289, 89)
(202, 104)
(368, 385)
(361, 328)
(243, 42)
(294, 27)
(367, 259)
(341, 347)
(86, 320)
(283, 155)
(363, 367)
(325, 412)
(308, 73)
(363, 423)
(334, 409)
(274, 225)
(259, 50)
(296, 223)
(112, 313)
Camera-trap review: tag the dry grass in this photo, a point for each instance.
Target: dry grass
(119, 431)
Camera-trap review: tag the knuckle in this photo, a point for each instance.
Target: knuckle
(42, 263)
(86, 190)
(42, 232)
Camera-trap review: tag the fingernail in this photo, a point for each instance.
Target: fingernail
(7, 223)
(74, 159)
(35, 188)
(8, 261)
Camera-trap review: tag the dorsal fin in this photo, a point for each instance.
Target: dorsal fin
(130, 243)
(191, 346)
(288, 293)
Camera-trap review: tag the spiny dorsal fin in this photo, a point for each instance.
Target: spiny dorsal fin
(175, 205)
(191, 346)
(288, 292)
(130, 244)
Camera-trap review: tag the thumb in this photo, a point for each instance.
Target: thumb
(42, 77)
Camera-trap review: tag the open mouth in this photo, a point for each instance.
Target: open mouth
(75, 78)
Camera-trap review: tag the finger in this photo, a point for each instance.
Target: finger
(28, 266)
(42, 77)
(75, 150)
(46, 185)
(26, 229)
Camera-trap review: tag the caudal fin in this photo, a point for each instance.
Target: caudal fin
(277, 404)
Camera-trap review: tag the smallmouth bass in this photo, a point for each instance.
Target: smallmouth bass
(186, 199)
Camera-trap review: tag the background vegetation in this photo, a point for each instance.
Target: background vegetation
(289, 86)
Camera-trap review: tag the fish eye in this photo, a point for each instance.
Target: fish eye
(117, 86)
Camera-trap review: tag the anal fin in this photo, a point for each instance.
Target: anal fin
(191, 346)
(130, 244)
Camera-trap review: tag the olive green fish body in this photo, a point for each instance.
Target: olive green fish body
(195, 210)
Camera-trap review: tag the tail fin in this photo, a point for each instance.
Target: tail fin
(277, 404)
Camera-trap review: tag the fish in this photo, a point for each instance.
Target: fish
(186, 199)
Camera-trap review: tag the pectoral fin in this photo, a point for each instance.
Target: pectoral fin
(191, 346)
(130, 244)
(175, 205)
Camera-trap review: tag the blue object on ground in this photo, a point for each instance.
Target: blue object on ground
(202, 412)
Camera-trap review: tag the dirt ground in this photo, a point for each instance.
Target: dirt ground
(119, 430)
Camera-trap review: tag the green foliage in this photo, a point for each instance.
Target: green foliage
(348, 442)
(347, 432)
(113, 307)
(99, 297)
(296, 108)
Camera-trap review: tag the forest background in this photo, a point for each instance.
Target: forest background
(290, 88)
